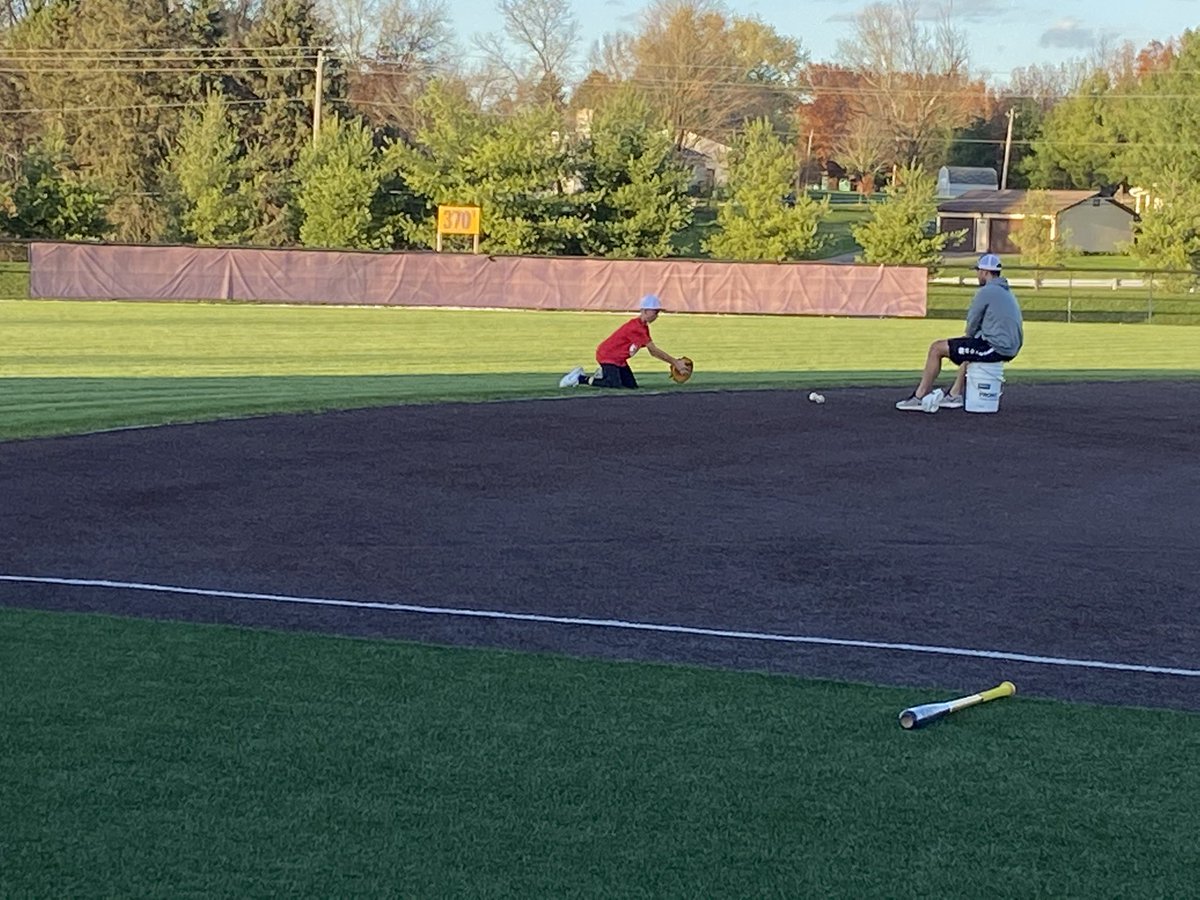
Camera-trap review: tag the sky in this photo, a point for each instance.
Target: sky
(1002, 34)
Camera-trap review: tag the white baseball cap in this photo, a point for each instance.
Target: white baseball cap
(650, 302)
(989, 262)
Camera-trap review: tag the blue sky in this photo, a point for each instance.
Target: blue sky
(1002, 34)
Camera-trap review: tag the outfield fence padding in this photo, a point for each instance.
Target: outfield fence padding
(127, 272)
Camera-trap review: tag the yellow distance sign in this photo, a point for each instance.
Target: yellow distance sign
(458, 220)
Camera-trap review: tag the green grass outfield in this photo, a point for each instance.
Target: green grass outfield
(155, 759)
(80, 366)
(150, 758)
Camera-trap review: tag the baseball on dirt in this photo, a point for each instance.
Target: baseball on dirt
(816, 398)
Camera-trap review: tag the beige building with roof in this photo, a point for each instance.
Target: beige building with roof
(1088, 222)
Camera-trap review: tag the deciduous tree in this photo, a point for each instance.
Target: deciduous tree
(1041, 244)
(915, 77)
(706, 72)
(1161, 121)
(535, 53)
(1080, 140)
(831, 107)
(413, 46)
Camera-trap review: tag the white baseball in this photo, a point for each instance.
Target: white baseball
(816, 398)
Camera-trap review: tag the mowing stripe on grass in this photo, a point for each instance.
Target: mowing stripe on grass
(607, 623)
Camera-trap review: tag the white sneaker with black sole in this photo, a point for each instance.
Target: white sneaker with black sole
(571, 379)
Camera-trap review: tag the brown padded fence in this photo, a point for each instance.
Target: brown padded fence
(120, 272)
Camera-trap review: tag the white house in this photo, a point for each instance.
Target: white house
(709, 160)
(954, 181)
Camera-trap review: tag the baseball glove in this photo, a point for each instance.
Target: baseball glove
(680, 377)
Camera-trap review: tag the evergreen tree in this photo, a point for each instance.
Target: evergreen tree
(1168, 235)
(49, 200)
(340, 179)
(18, 128)
(275, 89)
(900, 230)
(206, 25)
(760, 221)
(102, 73)
(133, 97)
(207, 180)
(513, 168)
(634, 195)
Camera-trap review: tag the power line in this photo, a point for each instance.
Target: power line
(803, 96)
(311, 49)
(182, 104)
(143, 70)
(195, 55)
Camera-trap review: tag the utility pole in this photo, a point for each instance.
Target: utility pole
(1012, 112)
(807, 160)
(318, 93)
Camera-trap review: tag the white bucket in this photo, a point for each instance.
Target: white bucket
(984, 384)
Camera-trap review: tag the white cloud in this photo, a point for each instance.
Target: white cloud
(1069, 33)
(966, 10)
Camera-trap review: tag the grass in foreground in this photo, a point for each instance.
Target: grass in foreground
(148, 758)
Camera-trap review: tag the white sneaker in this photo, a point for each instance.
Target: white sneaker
(571, 379)
(952, 401)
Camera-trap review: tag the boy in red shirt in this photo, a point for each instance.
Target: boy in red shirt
(614, 352)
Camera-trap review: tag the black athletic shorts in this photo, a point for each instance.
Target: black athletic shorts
(969, 350)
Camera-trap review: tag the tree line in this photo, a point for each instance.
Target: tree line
(193, 121)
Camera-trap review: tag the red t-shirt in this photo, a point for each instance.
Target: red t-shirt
(614, 349)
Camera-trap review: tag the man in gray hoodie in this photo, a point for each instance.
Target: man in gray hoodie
(994, 334)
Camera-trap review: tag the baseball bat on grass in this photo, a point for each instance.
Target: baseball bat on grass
(918, 716)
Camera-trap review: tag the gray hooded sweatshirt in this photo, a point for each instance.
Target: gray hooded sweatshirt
(995, 316)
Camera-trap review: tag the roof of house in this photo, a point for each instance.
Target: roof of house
(969, 175)
(693, 157)
(707, 146)
(1013, 201)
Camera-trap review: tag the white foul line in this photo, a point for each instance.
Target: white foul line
(609, 623)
